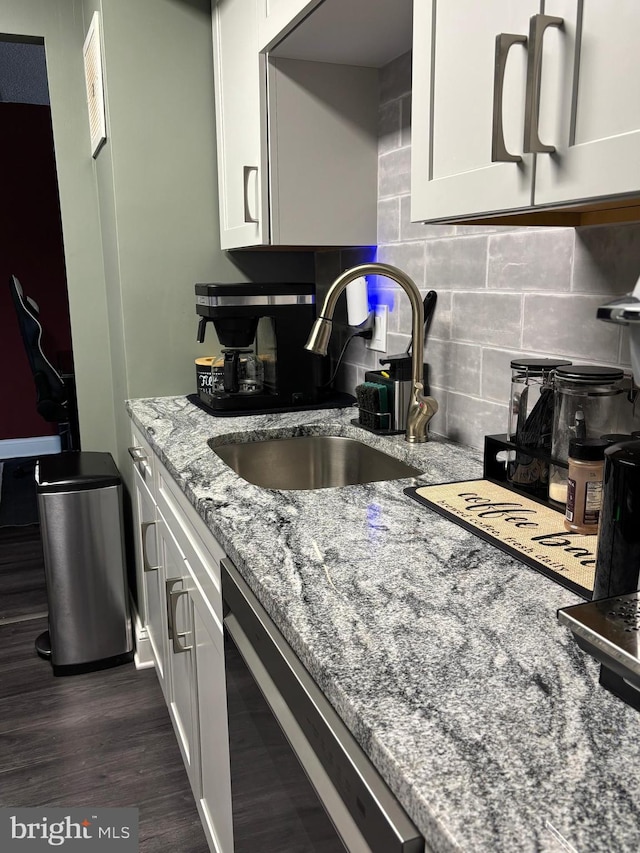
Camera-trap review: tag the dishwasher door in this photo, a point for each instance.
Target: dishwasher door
(327, 768)
(275, 808)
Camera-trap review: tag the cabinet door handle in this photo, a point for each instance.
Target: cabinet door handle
(537, 26)
(499, 153)
(173, 596)
(246, 170)
(139, 457)
(146, 565)
(169, 585)
(137, 454)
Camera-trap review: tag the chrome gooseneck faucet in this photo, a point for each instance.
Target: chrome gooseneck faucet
(421, 409)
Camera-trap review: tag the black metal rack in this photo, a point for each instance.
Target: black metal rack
(495, 469)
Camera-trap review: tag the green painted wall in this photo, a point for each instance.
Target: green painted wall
(157, 193)
(141, 219)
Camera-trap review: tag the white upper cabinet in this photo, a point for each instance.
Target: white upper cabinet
(520, 110)
(276, 18)
(590, 102)
(454, 71)
(297, 124)
(239, 125)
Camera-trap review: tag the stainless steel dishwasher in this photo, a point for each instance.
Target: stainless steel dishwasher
(299, 781)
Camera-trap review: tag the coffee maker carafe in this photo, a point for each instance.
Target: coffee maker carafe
(262, 329)
(237, 371)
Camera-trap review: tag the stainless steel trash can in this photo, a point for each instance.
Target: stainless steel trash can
(81, 522)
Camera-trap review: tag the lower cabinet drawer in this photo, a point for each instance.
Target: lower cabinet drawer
(203, 559)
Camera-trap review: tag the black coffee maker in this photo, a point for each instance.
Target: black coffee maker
(263, 366)
(618, 558)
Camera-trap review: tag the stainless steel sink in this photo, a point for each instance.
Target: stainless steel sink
(311, 462)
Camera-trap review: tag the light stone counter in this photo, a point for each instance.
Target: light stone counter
(442, 655)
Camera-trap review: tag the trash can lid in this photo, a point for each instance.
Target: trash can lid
(76, 470)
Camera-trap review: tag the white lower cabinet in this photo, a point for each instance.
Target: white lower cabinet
(153, 580)
(150, 621)
(182, 695)
(215, 792)
(179, 568)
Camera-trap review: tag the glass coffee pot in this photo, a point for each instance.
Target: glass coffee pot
(237, 371)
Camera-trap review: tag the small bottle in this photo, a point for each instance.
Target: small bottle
(584, 485)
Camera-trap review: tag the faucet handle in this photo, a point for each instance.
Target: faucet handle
(424, 400)
(421, 410)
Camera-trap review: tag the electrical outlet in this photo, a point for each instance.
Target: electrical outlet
(379, 340)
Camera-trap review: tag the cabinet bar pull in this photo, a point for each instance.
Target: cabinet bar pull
(537, 26)
(169, 584)
(246, 171)
(175, 636)
(140, 458)
(499, 153)
(137, 454)
(146, 565)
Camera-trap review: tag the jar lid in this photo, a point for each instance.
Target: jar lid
(541, 364)
(589, 449)
(590, 373)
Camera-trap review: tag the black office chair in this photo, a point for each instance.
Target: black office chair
(55, 398)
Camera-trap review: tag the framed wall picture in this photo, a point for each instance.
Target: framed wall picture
(95, 89)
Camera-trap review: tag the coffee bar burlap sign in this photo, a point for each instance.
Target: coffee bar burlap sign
(523, 528)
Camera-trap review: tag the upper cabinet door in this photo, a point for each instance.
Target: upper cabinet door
(469, 94)
(590, 102)
(239, 117)
(276, 18)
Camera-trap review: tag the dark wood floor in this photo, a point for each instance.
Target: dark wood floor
(22, 587)
(101, 739)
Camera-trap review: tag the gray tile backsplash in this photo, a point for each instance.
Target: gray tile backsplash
(389, 127)
(502, 291)
(488, 318)
(606, 260)
(395, 79)
(394, 172)
(566, 325)
(389, 220)
(457, 263)
(531, 260)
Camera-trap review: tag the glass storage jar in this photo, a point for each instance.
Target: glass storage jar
(588, 402)
(531, 421)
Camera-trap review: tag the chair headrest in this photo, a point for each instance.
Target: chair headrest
(49, 385)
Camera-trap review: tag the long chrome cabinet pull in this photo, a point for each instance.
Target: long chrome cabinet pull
(499, 153)
(137, 454)
(146, 565)
(139, 457)
(173, 596)
(169, 585)
(246, 171)
(537, 26)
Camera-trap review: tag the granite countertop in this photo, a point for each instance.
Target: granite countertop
(442, 655)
